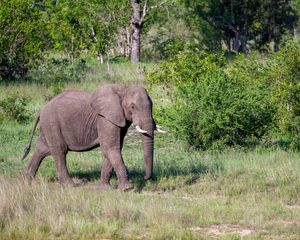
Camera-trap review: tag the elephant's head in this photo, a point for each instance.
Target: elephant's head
(128, 104)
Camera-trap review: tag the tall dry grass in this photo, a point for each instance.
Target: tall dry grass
(256, 193)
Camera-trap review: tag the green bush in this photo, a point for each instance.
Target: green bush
(1, 116)
(285, 81)
(14, 107)
(22, 38)
(56, 72)
(212, 106)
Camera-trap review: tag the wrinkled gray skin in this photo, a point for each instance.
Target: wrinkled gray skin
(79, 121)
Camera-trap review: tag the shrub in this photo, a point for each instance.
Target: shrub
(56, 72)
(21, 38)
(14, 107)
(1, 116)
(285, 81)
(213, 107)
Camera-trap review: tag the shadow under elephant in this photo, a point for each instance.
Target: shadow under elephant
(136, 175)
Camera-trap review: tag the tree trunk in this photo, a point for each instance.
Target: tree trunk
(243, 39)
(236, 41)
(295, 29)
(100, 58)
(128, 40)
(137, 25)
(228, 41)
(136, 45)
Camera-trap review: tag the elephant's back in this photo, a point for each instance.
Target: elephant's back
(71, 95)
(66, 105)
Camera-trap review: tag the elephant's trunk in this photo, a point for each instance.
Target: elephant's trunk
(148, 143)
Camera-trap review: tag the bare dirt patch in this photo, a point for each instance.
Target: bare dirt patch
(293, 207)
(225, 229)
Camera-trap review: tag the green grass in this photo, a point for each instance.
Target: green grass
(233, 194)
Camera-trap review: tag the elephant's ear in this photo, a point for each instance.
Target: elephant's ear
(106, 102)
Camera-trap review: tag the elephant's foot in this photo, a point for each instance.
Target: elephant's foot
(125, 186)
(27, 176)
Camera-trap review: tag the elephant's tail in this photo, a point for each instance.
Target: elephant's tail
(27, 149)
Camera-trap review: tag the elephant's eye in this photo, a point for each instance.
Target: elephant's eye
(132, 107)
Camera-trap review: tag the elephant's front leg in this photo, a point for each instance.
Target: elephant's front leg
(110, 138)
(106, 173)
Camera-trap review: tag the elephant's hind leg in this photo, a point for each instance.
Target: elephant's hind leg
(61, 166)
(59, 149)
(41, 151)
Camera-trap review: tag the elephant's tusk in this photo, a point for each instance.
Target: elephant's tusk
(140, 130)
(159, 129)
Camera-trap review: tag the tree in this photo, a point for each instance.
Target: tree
(276, 21)
(22, 37)
(296, 7)
(85, 26)
(137, 22)
(261, 22)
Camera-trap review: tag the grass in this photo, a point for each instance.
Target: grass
(233, 194)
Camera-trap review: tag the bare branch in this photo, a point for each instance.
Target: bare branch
(142, 19)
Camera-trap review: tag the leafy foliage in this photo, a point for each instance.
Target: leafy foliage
(29, 30)
(179, 30)
(83, 25)
(56, 72)
(285, 80)
(236, 102)
(21, 37)
(247, 25)
(212, 107)
(103, 29)
(14, 107)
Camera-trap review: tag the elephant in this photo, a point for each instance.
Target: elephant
(79, 121)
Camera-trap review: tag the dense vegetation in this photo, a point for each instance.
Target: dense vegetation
(31, 30)
(216, 103)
